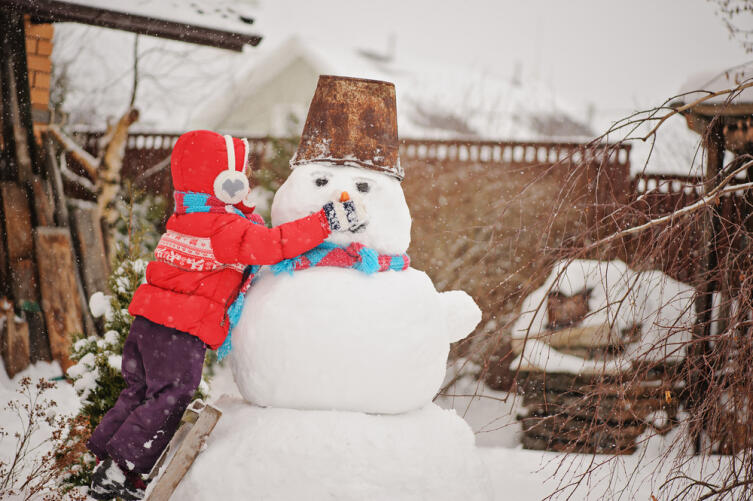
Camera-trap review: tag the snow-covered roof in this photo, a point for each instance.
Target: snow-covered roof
(718, 80)
(219, 23)
(434, 100)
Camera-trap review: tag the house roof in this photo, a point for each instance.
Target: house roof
(699, 84)
(434, 100)
(222, 24)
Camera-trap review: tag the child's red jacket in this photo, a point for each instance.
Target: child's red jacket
(195, 301)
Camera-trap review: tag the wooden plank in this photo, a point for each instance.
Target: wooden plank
(90, 244)
(56, 181)
(61, 303)
(186, 423)
(42, 202)
(5, 279)
(588, 336)
(14, 342)
(185, 455)
(18, 227)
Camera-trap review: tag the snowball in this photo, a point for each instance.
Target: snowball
(332, 455)
(100, 305)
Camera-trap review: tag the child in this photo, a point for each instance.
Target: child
(198, 272)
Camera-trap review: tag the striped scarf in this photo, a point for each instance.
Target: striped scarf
(187, 202)
(355, 256)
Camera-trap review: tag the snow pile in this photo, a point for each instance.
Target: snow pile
(620, 297)
(293, 454)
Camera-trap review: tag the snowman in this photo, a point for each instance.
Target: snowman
(338, 353)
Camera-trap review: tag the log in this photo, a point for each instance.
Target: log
(90, 244)
(185, 455)
(61, 303)
(599, 447)
(569, 429)
(14, 342)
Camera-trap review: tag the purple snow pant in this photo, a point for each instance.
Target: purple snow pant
(162, 369)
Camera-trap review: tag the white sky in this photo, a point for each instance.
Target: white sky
(617, 54)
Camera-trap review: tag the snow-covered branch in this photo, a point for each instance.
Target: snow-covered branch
(86, 159)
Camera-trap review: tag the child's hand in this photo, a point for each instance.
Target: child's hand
(346, 214)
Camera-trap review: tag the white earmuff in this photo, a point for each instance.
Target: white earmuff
(231, 186)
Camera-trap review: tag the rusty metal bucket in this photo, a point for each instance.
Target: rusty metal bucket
(353, 122)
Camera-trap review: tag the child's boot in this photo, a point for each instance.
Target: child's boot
(109, 481)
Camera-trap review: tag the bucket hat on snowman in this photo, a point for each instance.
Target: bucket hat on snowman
(352, 122)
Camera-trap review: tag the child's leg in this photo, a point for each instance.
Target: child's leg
(173, 362)
(130, 398)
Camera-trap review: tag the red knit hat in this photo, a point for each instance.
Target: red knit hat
(203, 161)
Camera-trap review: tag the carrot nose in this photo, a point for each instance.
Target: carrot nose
(344, 197)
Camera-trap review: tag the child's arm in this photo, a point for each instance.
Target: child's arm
(237, 240)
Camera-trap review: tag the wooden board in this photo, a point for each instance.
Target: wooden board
(43, 203)
(185, 455)
(90, 244)
(14, 343)
(20, 241)
(60, 297)
(586, 336)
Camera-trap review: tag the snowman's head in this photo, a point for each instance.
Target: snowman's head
(312, 185)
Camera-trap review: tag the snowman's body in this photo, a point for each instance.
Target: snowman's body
(337, 338)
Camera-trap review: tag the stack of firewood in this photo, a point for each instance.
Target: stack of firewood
(598, 409)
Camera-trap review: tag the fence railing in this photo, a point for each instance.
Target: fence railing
(160, 144)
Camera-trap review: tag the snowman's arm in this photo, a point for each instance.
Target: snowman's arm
(462, 315)
(237, 240)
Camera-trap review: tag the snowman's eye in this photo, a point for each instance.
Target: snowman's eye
(363, 187)
(321, 181)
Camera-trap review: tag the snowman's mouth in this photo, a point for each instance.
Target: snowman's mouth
(360, 228)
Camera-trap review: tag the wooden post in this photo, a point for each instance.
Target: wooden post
(699, 370)
(61, 303)
(18, 132)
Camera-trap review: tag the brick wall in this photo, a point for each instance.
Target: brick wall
(38, 55)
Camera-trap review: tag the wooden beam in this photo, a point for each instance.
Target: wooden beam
(698, 373)
(54, 11)
(60, 297)
(90, 244)
(17, 99)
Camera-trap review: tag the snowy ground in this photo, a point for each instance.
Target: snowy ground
(516, 473)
